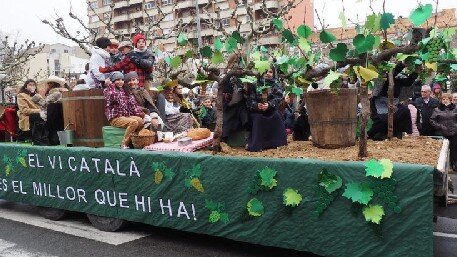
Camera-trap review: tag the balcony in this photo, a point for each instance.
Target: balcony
(136, 15)
(185, 4)
(269, 4)
(270, 40)
(135, 2)
(121, 17)
(121, 4)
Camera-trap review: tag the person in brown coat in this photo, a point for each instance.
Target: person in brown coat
(26, 106)
(444, 121)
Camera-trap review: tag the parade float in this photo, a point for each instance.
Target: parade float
(374, 200)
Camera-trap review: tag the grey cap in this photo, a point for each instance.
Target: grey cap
(116, 75)
(125, 44)
(131, 75)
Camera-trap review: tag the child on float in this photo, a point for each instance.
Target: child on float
(208, 115)
(267, 125)
(122, 111)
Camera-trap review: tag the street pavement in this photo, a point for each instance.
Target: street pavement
(24, 233)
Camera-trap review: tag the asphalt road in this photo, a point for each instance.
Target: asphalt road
(24, 233)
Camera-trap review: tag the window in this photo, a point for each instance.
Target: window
(150, 5)
(65, 51)
(107, 2)
(168, 17)
(225, 22)
(248, 19)
(93, 18)
(167, 2)
(57, 66)
(152, 18)
(93, 5)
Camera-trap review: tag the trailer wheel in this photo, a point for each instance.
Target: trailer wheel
(52, 213)
(105, 223)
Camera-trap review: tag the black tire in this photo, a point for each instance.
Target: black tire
(52, 213)
(105, 223)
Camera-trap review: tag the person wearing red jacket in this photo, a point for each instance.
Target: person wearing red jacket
(139, 60)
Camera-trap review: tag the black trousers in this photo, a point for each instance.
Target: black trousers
(453, 151)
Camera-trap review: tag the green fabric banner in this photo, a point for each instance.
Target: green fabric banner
(237, 198)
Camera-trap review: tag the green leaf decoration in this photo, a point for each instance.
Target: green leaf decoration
(256, 56)
(448, 34)
(176, 62)
(231, 45)
(182, 39)
(267, 177)
(421, 14)
(304, 31)
(214, 217)
(332, 76)
(454, 67)
(249, 79)
(291, 197)
(297, 91)
(388, 168)
(203, 112)
(360, 193)
(218, 45)
(339, 53)
(255, 208)
(377, 42)
(288, 36)
(217, 58)
(211, 205)
(283, 59)
(189, 54)
(342, 17)
(326, 37)
(168, 60)
(373, 23)
(262, 66)
(373, 168)
(373, 213)
(387, 19)
(330, 182)
(236, 35)
(224, 217)
(365, 74)
(363, 44)
(304, 45)
(206, 52)
(278, 23)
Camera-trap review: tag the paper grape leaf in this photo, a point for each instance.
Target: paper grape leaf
(249, 79)
(224, 217)
(267, 177)
(297, 91)
(206, 52)
(283, 59)
(360, 193)
(176, 62)
(236, 35)
(386, 20)
(454, 67)
(373, 168)
(231, 45)
(262, 66)
(256, 56)
(330, 182)
(291, 197)
(332, 76)
(211, 205)
(263, 49)
(288, 36)
(304, 45)
(168, 60)
(304, 31)
(342, 17)
(373, 23)
(214, 217)
(448, 34)
(339, 53)
(365, 74)
(278, 23)
(217, 58)
(421, 14)
(255, 207)
(189, 54)
(388, 167)
(218, 45)
(182, 39)
(432, 66)
(326, 37)
(373, 213)
(364, 44)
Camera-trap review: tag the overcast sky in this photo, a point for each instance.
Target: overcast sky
(23, 17)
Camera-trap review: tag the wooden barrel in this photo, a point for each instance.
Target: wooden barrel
(85, 110)
(332, 117)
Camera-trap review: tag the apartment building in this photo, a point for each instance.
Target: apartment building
(130, 14)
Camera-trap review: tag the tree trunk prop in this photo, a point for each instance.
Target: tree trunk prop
(363, 150)
(390, 110)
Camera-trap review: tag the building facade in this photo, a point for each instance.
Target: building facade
(127, 15)
(59, 60)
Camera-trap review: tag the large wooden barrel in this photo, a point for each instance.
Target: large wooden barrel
(85, 110)
(332, 117)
